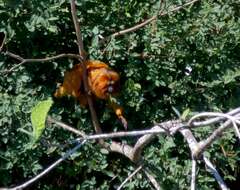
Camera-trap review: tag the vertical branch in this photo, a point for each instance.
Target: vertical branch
(85, 80)
(194, 172)
(77, 29)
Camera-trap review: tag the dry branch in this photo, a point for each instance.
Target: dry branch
(24, 61)
(217, 176)
(130, 177)
(148, 21)
(3, 42)
(151, 178)
(47, 170)
(194, 173)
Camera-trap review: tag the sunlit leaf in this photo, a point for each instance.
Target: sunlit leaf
(38, 117)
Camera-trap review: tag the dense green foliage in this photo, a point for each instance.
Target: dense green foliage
(154, 65)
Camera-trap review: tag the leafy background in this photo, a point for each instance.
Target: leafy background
(154, 64)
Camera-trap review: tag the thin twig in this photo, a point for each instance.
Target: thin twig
(194, 172)
(23, 60)
(217, 176)
(106, 135)
(66, 127)
(129, 177)
(48, 169)
(3, 42)
(151, 178)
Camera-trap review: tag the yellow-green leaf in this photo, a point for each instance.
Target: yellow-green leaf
(185, 114)
(38, 117)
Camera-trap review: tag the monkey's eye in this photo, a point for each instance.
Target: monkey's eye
(111, 82)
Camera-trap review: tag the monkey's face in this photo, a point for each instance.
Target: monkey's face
(104, 82)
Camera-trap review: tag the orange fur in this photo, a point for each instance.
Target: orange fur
(103, 82)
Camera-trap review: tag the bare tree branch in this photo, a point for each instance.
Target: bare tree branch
(130, 177)
(23, 60)
(151, 178)
(194, 173)
(3, 41)
(214, 120)
(66, 127)
(212, 114)
(170, 127)
(82, 52)
(14, 56)
(166, 127)
(214, 136)
(215, 173)
(85, 80)
(134, 28)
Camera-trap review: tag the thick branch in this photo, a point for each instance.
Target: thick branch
(166, 127)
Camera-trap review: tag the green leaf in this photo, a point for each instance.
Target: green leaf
(185, 114)
(38, 117)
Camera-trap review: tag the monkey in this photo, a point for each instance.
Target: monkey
(103, 83)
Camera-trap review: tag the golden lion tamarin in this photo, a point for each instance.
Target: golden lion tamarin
(103, 82)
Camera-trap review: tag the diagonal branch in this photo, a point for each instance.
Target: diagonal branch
(146, 22)
(130, 177)
(48, 169)
(217, 176)
(152, 179)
